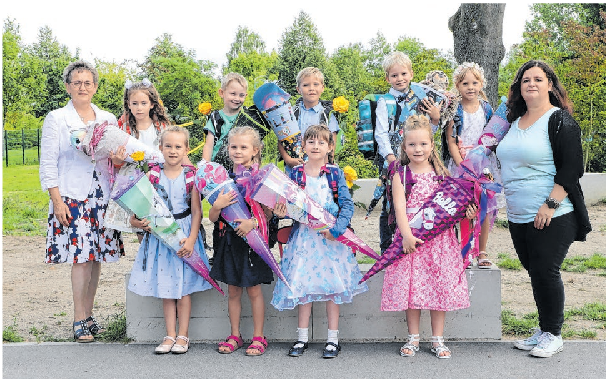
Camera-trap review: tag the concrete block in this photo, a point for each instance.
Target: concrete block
(594, 187)
(360, 321)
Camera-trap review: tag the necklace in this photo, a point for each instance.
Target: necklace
(83, 117)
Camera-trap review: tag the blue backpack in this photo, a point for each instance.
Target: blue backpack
(365, 128)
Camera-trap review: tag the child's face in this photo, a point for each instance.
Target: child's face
(174, 148)
(418, 146)
(469, 87)
(241, 150)
(233, 97)
(140, 105)
(316, 148)
(311, 89)
(399, 77)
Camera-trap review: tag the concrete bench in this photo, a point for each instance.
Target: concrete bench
(360, 321)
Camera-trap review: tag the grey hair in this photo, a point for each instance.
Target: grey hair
(80, 66)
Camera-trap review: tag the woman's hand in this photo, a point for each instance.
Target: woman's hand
(543, 217)
(327, 234)
(472, 211)
(225, 199)
(61, 212)
(119, 157)
(280, 210)
(140, 224)
(409, 244)
(187, 247)
(245, 226)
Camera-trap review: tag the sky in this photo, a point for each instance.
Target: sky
(114, 30)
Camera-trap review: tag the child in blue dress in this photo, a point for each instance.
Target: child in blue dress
(318, 267)
(159, 271)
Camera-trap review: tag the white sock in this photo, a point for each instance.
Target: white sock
(303, 334)
(333, 336)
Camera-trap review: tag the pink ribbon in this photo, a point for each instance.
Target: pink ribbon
(246, 178)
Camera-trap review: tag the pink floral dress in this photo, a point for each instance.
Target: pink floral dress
(431, 278)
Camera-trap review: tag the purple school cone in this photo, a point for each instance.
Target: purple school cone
(137, 196)
(496, 128)
(446, 207)
(211, 179)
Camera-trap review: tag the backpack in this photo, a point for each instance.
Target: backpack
(332, 174)
(324, 119)
(407, 181)
(365, 128)
(458, 127)
(154, 179)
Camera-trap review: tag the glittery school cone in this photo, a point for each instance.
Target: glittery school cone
(137, 196)
(273, 103)
(446, 207)
(271, 185)
(210, 179)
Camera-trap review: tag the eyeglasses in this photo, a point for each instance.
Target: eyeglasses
(87, 85)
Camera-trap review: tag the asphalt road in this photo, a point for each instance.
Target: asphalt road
(580, 359)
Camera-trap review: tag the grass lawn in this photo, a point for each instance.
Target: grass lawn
(15, 157)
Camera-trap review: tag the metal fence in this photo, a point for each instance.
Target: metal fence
(22, 146)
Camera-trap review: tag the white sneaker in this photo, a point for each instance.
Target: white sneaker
(548, 345)
(530, 342)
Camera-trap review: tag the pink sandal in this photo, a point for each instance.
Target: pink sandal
(259, 348)
(231, 347)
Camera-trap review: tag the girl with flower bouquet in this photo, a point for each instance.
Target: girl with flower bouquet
(318, 267)
(159, 271)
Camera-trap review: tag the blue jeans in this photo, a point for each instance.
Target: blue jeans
(542, 252)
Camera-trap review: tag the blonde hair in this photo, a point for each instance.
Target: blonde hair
(175, 129)
(310, 71)
(233, 76)
(255, 139)
(461, 71)
(396, 58)
(420, 122)
(321, 132)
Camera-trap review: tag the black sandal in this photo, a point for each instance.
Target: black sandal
(94, 328)
(82, 334)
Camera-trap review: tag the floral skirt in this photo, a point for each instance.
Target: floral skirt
(85, 238)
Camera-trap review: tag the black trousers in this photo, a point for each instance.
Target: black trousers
(542, 252)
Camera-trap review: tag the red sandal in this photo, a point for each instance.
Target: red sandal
(231, 347)
(259, 348)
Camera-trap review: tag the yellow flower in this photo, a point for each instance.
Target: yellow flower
(204, 108)
(138, 156)
(161, 103)
(340, 104)
(350, 175)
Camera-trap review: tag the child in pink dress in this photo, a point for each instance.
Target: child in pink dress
(428, 275)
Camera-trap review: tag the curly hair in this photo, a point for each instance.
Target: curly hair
(80, 66)
(420, 122)
(156, 113)
(516, 105)
(461, 71)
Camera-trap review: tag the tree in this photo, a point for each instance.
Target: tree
(423, 60)
(300, 46)
(246, 42)
(478, 37)
(373, 61)
(112, 76)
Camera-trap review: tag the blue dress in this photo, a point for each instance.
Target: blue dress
(316, 268)
(157, 270)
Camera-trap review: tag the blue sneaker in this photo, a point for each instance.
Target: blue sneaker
(530, 342)
(548, 345)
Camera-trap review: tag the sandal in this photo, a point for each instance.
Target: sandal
(95, 328)
(440, 348)
(260, 349)
(163, 348)
(410, 346)
(180, 349)
(230, 346)
(484, 262)
(82, 334)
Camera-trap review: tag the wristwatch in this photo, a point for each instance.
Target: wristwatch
(552, 203)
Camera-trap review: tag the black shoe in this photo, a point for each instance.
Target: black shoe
(299, 350)
(211, 260)
(331, 353)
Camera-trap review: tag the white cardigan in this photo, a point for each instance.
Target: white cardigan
(61, 165)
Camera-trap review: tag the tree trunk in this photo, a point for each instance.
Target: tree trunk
(478, 37)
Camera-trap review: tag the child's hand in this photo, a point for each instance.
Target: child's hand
(187, 247)
(292, 162)
(245, 226)
(409, 244)
(431, 108)
(327, 234)
(280, 210)
(472, 211)
(119, 157)
(140, 224)
(225, 199)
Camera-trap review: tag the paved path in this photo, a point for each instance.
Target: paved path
(580, 359)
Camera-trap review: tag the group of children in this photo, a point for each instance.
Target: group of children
(317, 267)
